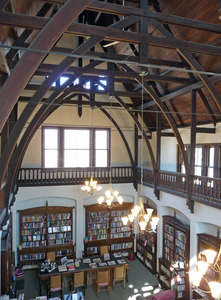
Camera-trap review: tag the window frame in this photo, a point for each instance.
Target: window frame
(92, 150)
(205, 158)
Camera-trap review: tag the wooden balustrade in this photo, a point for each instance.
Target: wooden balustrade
(63, 176)
(204, 189)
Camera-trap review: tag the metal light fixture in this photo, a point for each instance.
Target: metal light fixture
(112, 197)
(91, 186)
(138, 217)
(212, 261)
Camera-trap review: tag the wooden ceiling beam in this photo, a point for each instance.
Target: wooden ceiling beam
(115, 56)
(47, 68)
(112, 34)
(110, 8)
(79, 90)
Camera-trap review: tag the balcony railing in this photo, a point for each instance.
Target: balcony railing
(204, 189)
(66, 176)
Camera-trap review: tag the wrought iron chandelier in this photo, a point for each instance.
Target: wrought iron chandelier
(138, 218)
(212, 260)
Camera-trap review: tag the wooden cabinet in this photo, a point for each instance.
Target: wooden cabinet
(104, 227)
(45, 229)
(205, 242)
(173, 266)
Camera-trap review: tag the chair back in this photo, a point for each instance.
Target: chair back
(55, 282)
(79, 278)
(103, 276)
(103, 249)
(51, 256)
(119, 272)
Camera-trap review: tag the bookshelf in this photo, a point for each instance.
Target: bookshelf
(104, 227)
(173, 266)
(45, 229)
(207, 241)
(146, 247)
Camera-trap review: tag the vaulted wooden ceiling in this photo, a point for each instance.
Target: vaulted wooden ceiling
(171, 48)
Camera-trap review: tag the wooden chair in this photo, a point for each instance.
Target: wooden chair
(78, 281)
(103, 249)
(51, 256)
(102, 281)
(55, 285)
(119, 276)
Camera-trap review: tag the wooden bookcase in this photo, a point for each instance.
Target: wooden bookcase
(207, 241)
(175, 250)
(146, 247)
(45, 229)
(104, 227)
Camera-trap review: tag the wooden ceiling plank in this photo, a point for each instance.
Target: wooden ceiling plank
(110, 8)
(182, 91)
(27, 32)
(112, 34)
(30, 60)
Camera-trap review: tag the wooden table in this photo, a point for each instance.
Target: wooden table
(82, 267)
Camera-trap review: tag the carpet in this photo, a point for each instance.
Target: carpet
(20, 284)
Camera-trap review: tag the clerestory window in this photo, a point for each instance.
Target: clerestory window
(75, 147)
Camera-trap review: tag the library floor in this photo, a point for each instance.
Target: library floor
(141, 282)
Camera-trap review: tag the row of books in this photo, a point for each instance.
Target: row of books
(120, 229)
(120, 212)
(168, 244)
(116, 219)
(98, 231)
(120, 235)
(122, 246)
(181, 236)
(59, 235)
(168, 250)
(99, 214)
(117, 224)
(34, 231)
(59, 229)
(30, 238)
(33, 225)
(168, 236)
(59, 223)
(61, 253)
(169, 229)
(180, 244)
(98, 226)
(98, 220)
(180, 252)
(59, 241)
(32, 256)
(32, 218)
(98, 237)
(33, 244)
(59, 216)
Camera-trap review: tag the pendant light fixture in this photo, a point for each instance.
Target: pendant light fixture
(91, 186)
(111, 198)
(138, 218)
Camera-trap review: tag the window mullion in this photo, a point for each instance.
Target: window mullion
(61, 148)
